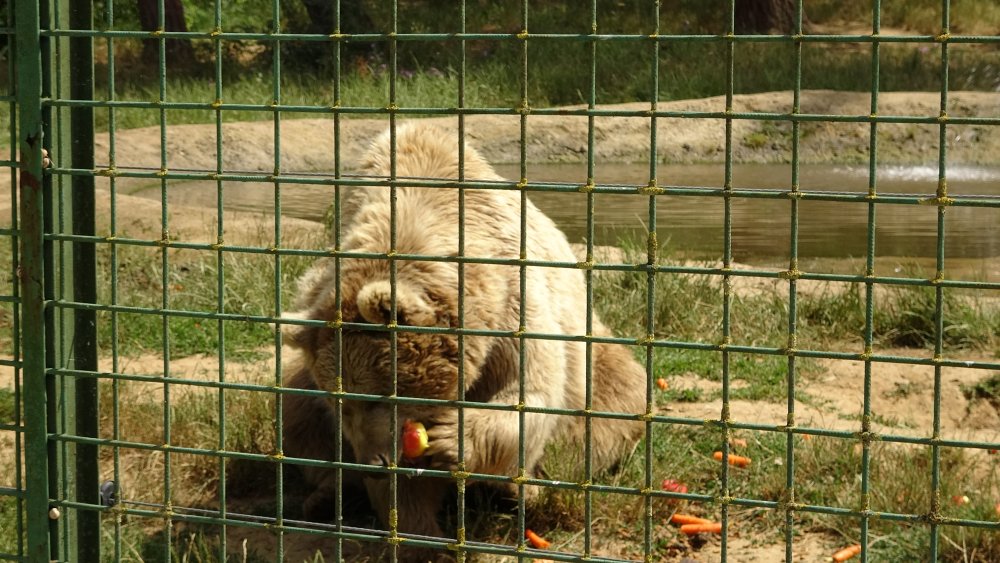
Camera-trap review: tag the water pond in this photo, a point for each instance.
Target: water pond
(761, 228)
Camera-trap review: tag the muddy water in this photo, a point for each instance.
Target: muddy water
(761, 228)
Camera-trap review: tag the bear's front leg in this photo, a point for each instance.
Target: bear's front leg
(418, 501)
(491, 437)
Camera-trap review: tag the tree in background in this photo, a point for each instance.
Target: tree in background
(179, 51)
(764, 16)
(354, 18)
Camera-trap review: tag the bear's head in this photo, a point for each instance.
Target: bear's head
(365, 359)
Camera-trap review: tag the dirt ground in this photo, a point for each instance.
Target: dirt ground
(902, 393)
(307, 145)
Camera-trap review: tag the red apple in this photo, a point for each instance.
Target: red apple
(414, 439)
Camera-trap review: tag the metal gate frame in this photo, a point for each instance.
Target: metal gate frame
(52, 270)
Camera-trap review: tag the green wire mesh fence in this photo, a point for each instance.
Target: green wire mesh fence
(169, 465)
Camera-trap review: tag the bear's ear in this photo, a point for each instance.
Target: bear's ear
(375, 305)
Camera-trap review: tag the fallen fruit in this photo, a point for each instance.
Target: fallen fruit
(847, 553)
(734, 460)
(960, 499)
(707, 528)
(684, 519)
(538, 542)
(414, 439)
(662, 384)
(674, 486)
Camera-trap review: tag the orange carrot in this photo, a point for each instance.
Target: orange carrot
(662, 384)
(688, 519)
(537, 541)
(847, 553)
(735, 460)
(709, 528)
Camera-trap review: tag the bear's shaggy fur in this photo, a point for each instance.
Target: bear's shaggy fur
(427, 364)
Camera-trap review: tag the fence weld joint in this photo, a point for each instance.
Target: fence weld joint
(868, 437)
(651, 189)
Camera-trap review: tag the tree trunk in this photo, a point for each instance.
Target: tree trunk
(764, 16)
(178, 51)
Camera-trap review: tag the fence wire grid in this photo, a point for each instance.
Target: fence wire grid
(83, 483)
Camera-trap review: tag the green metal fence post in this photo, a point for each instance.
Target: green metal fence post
(31, 274)
(57, 260)
(83, 354)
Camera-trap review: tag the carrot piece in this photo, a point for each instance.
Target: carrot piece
(735, 460)
(708, 528)
(688, 519)
(847, 553)
(662, 384)
(538, 542)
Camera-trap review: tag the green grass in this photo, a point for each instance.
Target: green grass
(9, 539)
(987, 389)
(687, 308)
(7, 406)
(194, 545)
(7, 288)
(907, 318)
(192, 284)
(826, 474)
(920, 16)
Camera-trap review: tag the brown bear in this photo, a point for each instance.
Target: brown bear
(425, 222)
